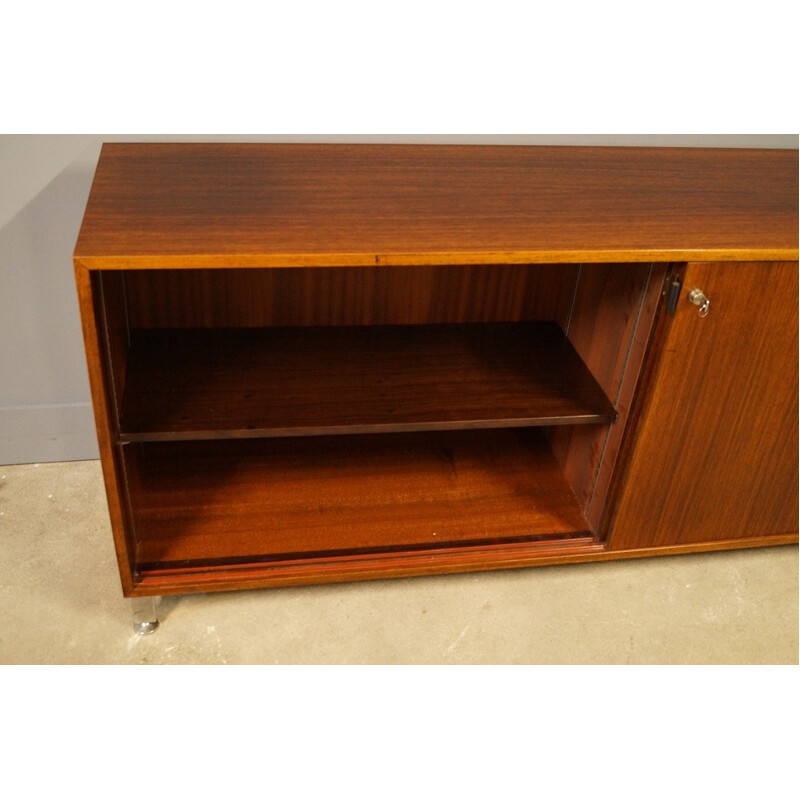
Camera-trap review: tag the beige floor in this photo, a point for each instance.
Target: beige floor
(60, 603)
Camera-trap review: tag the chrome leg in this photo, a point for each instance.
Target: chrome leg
(145, 617)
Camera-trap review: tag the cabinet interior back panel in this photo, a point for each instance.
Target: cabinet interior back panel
(349, 296)
(199, 502)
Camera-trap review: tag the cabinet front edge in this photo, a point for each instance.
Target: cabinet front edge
(311, 259)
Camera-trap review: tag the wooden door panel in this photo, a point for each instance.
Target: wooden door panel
(716, 450)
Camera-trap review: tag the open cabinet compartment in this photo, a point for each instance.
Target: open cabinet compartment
(308, 424)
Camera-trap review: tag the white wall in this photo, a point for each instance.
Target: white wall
(45, 410)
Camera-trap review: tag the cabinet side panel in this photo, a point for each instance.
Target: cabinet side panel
(714, 456)
(609, 326)
(97, 337)
(114, 327)
(348, 296)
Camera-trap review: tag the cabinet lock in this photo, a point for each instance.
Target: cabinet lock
(698, 298)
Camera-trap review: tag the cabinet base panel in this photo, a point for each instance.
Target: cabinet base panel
(260, 576)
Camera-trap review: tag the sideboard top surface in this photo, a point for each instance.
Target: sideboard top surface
(261, 205)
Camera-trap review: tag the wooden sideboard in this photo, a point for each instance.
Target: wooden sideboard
(315, 363)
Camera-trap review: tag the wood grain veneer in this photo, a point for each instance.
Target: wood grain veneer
(243, 205)
(219, 383)
(609, 326)
(235, 298)
(101, 316)
(471, 558)
(205, 502)
(181, 243)
(715, 455)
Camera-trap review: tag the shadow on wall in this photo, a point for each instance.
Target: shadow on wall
(45, 406)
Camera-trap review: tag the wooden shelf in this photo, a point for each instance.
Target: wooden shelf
(244, 383)
(237, 502)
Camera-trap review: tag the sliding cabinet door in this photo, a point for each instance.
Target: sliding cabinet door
(714, 454)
